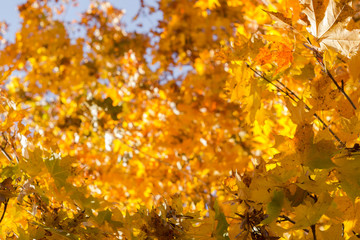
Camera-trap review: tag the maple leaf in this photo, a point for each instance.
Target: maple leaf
(132, 140)
(309, 213)
(274, 207)
(280, 19)
(222, 225)
(328, 25)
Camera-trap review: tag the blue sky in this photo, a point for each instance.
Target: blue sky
(9, 13)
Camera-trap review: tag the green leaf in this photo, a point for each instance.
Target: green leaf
(59, 169)
(222, 225)
(348, 167)
(309, 213)
(351, 186)
(34, 165)
(274, 207)
(11, 171)
(320, 154)
(104, 216)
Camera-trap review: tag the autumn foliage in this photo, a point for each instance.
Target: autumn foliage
(228, 120)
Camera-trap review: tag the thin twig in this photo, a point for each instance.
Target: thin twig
(315, 115)
(313, 230)
(277, 87)
(6, 154)
(5, 206)
(16, 156)
(286, 218)
(320, 60)
(12, 146)
(340, 88)
(356, 234)
(289, 93)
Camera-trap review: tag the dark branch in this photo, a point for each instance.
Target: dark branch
(5, 206)
(285, 218)
(13, 147)
(6, 154)
(313, 230)
(341, 88)
(289, 93)
(320, 59)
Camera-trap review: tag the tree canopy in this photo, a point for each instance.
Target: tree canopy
(227, 120)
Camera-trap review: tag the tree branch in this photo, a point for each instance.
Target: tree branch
(320, 60)
(313, 230)
(6, 154)
(285, 218)
(5, 206)
(293, 97)
(340, 88)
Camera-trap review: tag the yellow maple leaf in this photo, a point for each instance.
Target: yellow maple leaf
(328, 25)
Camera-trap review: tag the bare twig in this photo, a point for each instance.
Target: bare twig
(5, 206)
(12, 146)
(315, 115)
(6, 154)
(16, 156)
(286, 218)
(313, 230)
(289, 93)
(340, 88)
(320, 59)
